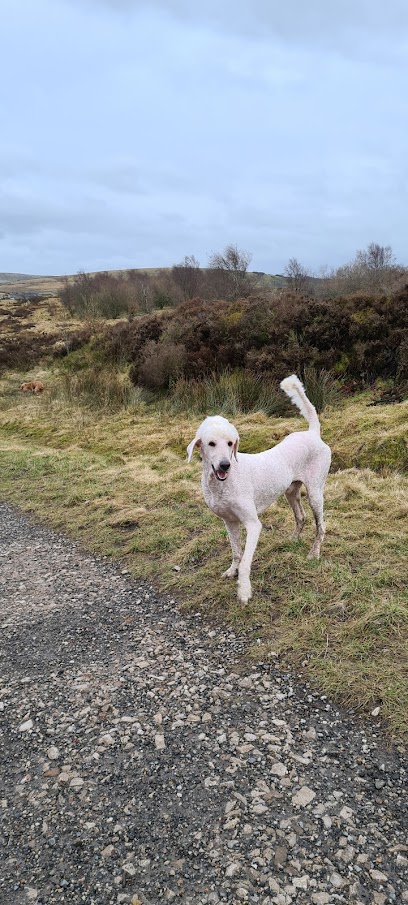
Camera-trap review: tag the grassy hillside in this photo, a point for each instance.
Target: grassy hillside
(120, 483)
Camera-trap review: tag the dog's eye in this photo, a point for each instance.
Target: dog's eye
(211, 443)
(229, 442)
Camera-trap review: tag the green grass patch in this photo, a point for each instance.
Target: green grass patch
(119, 482)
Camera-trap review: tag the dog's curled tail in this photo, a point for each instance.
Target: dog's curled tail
(296, 392)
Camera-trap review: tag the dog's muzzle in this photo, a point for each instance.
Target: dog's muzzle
(222, 470)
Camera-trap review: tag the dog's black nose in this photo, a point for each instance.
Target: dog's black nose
(224, 465)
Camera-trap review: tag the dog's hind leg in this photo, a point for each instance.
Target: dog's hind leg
(235, 541)
(315, 495)
(293, 497)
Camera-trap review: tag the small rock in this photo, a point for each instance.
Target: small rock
(279, 769)
(159, 741)
(76, 783)
(379, 898)
(378, 876)
(108, 851)
(303, 797)
(25, 727)
(300, 882)
(53, 753)
(232, 869)
(259, 808)
(63, 777)
(346, 813)
(281, 854)
(336, 880)
(107, 739)
(129, 869)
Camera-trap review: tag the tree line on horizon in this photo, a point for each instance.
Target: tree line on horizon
(226, 277)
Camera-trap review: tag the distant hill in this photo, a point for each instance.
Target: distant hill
(265, 280)
(20, 277)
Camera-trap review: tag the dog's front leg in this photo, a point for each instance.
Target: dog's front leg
(253, 530)
(235, 541)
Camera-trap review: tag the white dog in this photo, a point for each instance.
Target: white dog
(238, 486)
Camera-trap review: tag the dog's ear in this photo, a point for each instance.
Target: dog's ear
(235, 448)
(192, 445)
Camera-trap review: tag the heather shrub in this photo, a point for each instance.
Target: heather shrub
(124, 343)
(26, 350)
(357, 339)
(161, 363)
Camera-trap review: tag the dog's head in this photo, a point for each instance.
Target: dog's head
(26, 387)
(218, 441)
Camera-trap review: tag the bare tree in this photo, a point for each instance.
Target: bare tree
(229, 272)
(187, 276)
(297, 275)
(141, 293)
(374, 268)
(376, 257)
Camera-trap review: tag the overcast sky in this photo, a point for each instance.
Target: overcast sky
(134, 133)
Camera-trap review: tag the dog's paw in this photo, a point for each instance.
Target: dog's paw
(232, 572)
(244, 591)
(243, 599)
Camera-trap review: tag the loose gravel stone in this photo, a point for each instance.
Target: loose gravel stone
(145, 759)
(303, 797)
(53, 753)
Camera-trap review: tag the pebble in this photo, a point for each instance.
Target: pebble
(76, 783)
(303, 797)
(26, 726)
(53, 753)
(279, 769)
(378, 876)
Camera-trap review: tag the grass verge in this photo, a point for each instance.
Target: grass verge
(120, 483)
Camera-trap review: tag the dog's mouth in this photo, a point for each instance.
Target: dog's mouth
(219, 474)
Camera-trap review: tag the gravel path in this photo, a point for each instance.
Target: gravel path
(143, 762)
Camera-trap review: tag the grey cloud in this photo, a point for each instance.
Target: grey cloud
(14, 163)
(360, 27)
(120, 177)
(25, 215)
